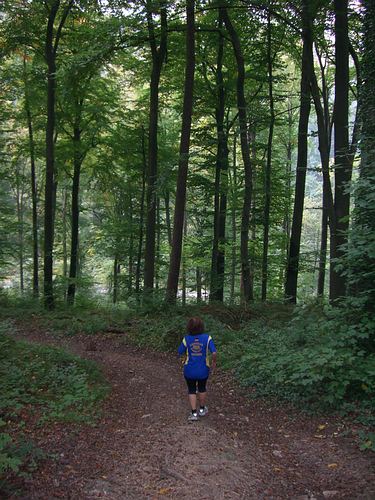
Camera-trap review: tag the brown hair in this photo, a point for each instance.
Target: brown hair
(195, 326)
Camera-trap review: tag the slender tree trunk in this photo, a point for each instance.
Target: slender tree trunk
(288, 173)
(324, 138)
(295, 238)
(51, 46)
(343, 171)
(20, 223)
(183, 266)
(158, 56)
(64, 239)
(34, 200)
(323, 251)
(50, 161)
(199, 285)
(116, 270)
(168, 217)
(157, 256)
(75, 214)
(175, 259)
(131, 247)
(141, 217)
(267, 180)
(242, 117)
(234, 220)
(213, 280)
(221, 180)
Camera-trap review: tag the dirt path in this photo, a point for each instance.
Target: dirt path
(143, 447)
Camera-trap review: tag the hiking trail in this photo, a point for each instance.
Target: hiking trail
(143, 447)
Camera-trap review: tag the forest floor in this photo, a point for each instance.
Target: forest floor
(142, 445)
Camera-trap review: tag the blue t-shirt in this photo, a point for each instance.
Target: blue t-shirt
(197, 348)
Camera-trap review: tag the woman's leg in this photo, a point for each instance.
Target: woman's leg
(202, 392)
(193, 401)
(192, 388)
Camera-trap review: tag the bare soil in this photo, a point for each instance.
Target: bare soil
(143, 447)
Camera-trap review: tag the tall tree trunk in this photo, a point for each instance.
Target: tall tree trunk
(234, 220)
(242, 117)
(158, 56)
(343, 171)
(221, 180)
(50, 161)
(141, 217)
(324, 138)
(168, 217)
(267, 180)
(64, 239)
(199, 285)
(157, 256)
(131, 247)
(288, 173)
(323, 251)
(51, 46)
(305, 105)
(75, 214)
(20, 223)
(183, 266)
(34, 200)
(175, 259)
(116, 271)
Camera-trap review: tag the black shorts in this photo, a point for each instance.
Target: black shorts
(192, 384)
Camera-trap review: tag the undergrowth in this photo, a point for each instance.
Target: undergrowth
(317, 357)
(44, 383)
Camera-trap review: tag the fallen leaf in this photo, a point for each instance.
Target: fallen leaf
(164, 491)
(332, 466)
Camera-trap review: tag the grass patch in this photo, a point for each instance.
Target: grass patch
(44, 383)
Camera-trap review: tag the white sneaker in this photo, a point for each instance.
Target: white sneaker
(203, 411)
(193, 417)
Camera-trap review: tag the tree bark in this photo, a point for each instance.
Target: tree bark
(242, 117)
(288, 172)
(77, 160)
(141, 217)
(305, 105)
(234, 220)
(323, 251)
(199, 285)
(158, 56)
(20, 224)
(221, 180)
(168, 217)
(64, 240)
(175, 259)
(34, 200)
(116, 271)
(343, 171)
(267, 180)
(131, 247)
(51, 46)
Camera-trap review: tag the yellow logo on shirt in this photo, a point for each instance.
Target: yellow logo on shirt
(196, 348)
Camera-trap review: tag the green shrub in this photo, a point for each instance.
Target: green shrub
(318, 359)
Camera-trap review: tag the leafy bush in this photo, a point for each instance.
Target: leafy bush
(318, 359)
(164, 332)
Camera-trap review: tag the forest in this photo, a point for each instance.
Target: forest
(168, 159)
